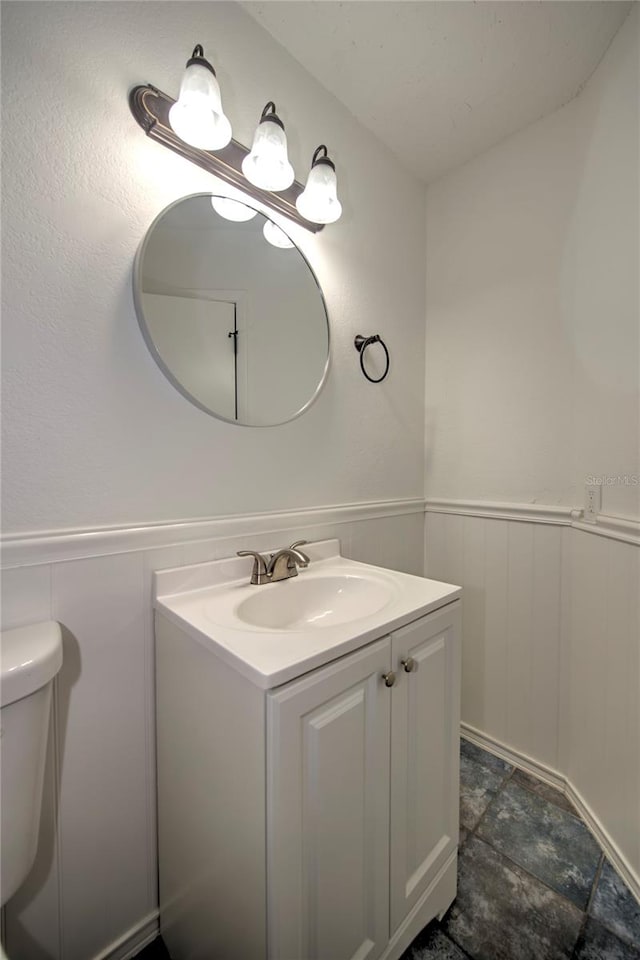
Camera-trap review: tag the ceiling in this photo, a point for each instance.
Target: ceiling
(440, 81)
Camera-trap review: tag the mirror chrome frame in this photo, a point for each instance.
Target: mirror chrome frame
(148, 339)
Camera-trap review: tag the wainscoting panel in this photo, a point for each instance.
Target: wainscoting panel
(551, 650)
(92, 894)
(603, 733)
(390, 542)
(102, 750)
(510, 571)
(33, 918)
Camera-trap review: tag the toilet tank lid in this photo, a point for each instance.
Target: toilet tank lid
(29, 658)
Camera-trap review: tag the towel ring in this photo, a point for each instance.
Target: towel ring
(361, 344)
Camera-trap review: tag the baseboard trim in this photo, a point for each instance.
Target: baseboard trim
(517, 759)
(611, 849)
(54, 546)
(134, 940)
(556, 779)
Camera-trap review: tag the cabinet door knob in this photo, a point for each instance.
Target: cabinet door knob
(389, 678)
(409, 665)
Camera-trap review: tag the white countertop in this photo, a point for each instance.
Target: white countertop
(202, 600)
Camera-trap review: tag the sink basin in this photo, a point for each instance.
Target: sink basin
(322, 602)
(274, 632)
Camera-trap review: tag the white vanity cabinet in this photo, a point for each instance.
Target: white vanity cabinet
(328, 752)
(363, 797)
(425, 764)
(314, 821)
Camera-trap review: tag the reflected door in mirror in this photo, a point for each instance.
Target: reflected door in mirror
(201, 345)
(238, 325)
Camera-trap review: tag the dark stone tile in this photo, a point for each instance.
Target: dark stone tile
(503, 913)
(481, 776)
(463, 837)
(598, 943)
(550, 843)
(543, 790)
(485, 759)
(615, 906)
(433, 944)
(156, 950)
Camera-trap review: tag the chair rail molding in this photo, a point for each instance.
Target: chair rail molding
(31, 549)
(504, 510)
(50, 546)
(625, 529)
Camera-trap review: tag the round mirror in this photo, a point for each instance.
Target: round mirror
(231, 311)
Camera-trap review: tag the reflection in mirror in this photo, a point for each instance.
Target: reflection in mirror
(237, 323)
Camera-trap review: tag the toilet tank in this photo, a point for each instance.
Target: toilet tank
(30, 657)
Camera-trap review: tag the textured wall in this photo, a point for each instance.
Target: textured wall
(533, 362)
(93, 432)
(533, 385)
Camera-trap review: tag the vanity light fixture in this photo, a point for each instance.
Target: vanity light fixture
(197, 117)
(267, 166)
(275, 236)
(233, 209)
(318, 201)
(196, 128)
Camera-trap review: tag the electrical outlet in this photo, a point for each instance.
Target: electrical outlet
(592, 495)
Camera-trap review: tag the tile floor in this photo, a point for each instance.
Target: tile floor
(533, 884)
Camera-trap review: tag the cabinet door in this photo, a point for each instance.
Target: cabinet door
(424, 755)
(328, 811)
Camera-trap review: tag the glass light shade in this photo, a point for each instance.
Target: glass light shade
(267, 166)
(232, 209)
(197, 116)
(319, 202)
(275, 236)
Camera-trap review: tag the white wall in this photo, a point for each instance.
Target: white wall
(533, 346)
(94, 434)
(532, 384)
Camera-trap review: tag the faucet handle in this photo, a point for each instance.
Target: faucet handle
(300, 543)
(259, 572)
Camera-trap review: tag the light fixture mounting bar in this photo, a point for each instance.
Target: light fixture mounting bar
(151, 106)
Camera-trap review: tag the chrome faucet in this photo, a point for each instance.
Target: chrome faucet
(259, 572)
(280, 565)
(285, 563)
